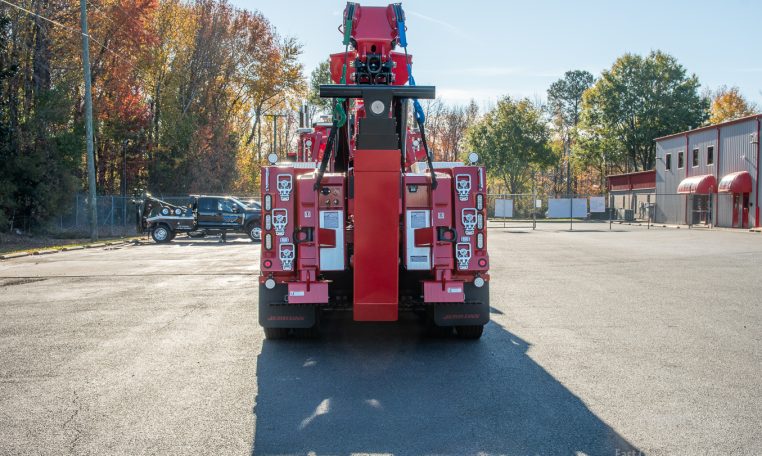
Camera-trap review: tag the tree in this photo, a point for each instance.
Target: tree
(320, 75)
(565, 97)
(637, 100)
(39, 139)
(446, 127)
(729, 104)
(565, 106)
(180, 89)
(511, 139)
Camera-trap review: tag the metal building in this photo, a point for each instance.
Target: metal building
(710, 175)
(632, 194)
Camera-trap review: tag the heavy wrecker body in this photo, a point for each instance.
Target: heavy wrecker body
(362, 219)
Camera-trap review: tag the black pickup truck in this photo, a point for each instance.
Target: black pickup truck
(203, 215)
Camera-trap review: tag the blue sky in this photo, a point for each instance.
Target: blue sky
(484, 49)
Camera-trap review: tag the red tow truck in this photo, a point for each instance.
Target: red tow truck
(363, 220)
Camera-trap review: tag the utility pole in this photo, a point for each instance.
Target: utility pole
(89, 122)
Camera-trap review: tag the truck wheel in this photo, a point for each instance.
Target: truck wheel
(162, 234)
(309, 333)
(469, 332)
(255, 232)
(276, 333)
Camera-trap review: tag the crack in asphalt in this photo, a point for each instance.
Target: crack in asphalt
(180, 317)
(71, 420)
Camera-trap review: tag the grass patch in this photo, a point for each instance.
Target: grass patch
(14, 243)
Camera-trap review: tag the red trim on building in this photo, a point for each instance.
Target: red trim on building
(641, 180)
(700, 185)
(709, 127)
(739, 182)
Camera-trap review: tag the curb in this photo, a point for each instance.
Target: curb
(44, 252)
(76, 247)
(8, 256)
(95, 246)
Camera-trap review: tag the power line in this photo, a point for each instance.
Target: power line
(71, 29)
(41, 17)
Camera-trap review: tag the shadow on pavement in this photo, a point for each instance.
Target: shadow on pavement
(389, 389)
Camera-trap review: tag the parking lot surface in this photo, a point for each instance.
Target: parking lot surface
(621, 342)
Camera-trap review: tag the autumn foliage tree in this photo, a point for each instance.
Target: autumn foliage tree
(727, 103)
(181, 90)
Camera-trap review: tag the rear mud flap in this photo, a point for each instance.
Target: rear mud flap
(473, 312)
(274, 312)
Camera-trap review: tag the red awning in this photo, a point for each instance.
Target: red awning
(739, 182)
(701, 185)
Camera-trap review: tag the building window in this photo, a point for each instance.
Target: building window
(680, 161)
(668, 161)
(710, 155)
(695, 157)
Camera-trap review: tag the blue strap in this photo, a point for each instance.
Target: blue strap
(401, 32)
(420, 117)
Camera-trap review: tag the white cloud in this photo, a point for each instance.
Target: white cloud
(458, 31)
(483, 96)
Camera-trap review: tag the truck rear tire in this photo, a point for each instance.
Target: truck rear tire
(162, 234)
(276, 333)
(469, 332)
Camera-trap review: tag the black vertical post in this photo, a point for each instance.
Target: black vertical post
(534, 202)
(648, 208)
(611, 209)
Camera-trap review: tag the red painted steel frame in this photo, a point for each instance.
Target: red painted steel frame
(377, 226)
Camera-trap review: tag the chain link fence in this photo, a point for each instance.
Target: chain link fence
(117, 214)
(534, 211)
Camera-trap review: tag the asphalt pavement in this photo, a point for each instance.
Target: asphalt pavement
(622, 342)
